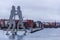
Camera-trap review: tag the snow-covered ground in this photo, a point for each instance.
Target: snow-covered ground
(45, 34)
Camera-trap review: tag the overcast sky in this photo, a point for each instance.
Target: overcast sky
(43, 10)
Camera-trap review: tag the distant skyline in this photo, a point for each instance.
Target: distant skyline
(43, 10)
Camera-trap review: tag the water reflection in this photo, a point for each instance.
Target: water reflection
(16, 37)
(20, 37)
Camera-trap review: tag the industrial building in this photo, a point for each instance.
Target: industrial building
(30, 23)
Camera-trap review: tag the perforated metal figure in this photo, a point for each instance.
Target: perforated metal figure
(11, 21)
(20, 19)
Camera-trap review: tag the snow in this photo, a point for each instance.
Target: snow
(45, 34)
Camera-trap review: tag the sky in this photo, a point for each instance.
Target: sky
(42, 10)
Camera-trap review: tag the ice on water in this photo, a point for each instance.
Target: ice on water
(45, 34)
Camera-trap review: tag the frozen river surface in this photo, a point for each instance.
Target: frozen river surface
(45, 34)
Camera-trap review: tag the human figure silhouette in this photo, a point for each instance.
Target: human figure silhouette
(19, 12)
(13, 12)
